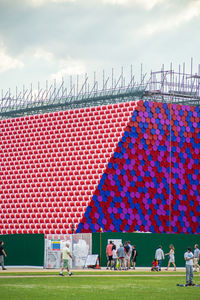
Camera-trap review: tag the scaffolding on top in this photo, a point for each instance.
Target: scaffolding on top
(167, 86)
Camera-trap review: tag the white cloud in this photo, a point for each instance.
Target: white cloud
(7, 62)
(147, 4)
(69, 67)
(185, 15)
(43, 54)
(37, 3)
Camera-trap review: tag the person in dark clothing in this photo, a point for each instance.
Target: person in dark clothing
(127, 249)
(2, 254)
(114, 257)
(133, 256)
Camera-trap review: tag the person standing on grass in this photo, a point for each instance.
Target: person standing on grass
(134, 256)
(127, 250)
(129, 253)
(196, 257)
(2, 254)
(65, 255)
(171, 257)
(109, 254)
(189, 257)
(159, 256)
(121, 256)
(114, 257)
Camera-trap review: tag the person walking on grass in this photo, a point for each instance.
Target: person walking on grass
(196, 257)
(171, 257)
(65, 255)
(159, 256)
(2, 254)
(189, 257)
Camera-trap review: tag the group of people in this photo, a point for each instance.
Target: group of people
(121, 258)
(159, 256)
(191, 261)
(126, 254)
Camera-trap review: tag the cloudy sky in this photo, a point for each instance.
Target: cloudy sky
(45, 39)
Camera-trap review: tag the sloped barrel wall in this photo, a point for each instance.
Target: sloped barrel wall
(152, 181)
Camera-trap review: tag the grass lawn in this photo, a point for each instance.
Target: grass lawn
(108, 288)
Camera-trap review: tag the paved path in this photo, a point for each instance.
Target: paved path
(41, 270)
(92, 275)
(44, 273)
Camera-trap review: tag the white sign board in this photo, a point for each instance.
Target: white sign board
(91, 260)
(116, 242)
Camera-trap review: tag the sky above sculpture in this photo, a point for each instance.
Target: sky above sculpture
(49, 39)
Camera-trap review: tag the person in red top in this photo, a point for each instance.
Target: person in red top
(154, 265)
(109, 254)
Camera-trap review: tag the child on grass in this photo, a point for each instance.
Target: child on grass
(154, 265)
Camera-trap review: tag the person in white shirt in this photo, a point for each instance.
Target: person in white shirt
(196, 257)
(65, 255)
(189, 257)
(159, 256)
